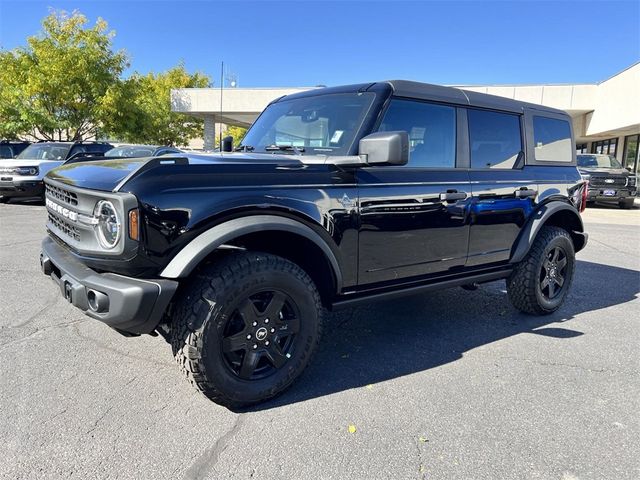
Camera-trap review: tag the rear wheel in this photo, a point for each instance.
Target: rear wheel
(540, 282)
(246, 328)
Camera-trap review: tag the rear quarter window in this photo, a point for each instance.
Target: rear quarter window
(552, 140)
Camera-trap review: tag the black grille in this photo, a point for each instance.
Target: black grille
(64, 227)
(62, 195)
(600, 182)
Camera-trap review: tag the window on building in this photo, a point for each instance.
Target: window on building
(607, 147)
(552, 139)
(581, 148)
(494, 139)
(630, 156)
(431, 129)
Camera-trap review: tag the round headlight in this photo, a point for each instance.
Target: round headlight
(108, 227)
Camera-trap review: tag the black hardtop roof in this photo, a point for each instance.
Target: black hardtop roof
(427, 91)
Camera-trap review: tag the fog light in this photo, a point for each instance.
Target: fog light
(98, 301)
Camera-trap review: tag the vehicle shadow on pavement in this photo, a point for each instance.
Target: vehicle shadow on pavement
(395, 338)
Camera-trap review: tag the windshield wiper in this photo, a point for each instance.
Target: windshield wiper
(284, 148)
(244, 148)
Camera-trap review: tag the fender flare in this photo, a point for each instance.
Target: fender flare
(195, 251)
(537, 221)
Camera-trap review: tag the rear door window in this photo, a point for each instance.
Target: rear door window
(495, 139)
(552, 139)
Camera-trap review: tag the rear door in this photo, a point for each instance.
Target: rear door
(413, 218)
(504, 190)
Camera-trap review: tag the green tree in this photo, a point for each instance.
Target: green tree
(140, 111)
(54, 87)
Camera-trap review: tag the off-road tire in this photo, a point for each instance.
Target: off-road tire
(204, 307)
(523, 285)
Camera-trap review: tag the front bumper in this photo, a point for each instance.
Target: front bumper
(127, 304)
(21, 188)
(597, 194)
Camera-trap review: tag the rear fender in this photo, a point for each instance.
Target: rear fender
(556, 213)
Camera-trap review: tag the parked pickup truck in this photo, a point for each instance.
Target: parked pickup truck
(335, 197)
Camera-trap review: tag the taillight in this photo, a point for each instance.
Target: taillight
(585, 194)
(134, 228)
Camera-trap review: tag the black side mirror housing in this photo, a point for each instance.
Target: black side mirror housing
(385, 148)
(227, 144)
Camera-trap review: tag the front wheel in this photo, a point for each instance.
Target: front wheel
(626, 203)
(246, 327)
(540, 282)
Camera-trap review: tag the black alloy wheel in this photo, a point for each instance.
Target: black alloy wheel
(259, 337)
(553, 272)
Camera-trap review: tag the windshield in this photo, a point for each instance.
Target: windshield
(130, 151)
(45, 151)
(322, 124)
(598, 161)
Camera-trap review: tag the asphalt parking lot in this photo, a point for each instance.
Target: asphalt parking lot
(449, 385)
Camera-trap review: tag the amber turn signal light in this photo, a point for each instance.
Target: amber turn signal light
(134, 228)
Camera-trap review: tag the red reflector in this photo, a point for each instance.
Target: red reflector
(585, 194)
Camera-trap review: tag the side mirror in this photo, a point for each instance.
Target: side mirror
(227, 144)
(629, 169)
(391, 148)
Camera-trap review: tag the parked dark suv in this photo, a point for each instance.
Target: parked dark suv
(609, 182)
(11, 149)
(335, 197)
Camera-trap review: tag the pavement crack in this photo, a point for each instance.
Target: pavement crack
(611, 247)
(103, 346)
(99, 419)
(560, 364)
(39, 330)
(50, 303)
(207, 461)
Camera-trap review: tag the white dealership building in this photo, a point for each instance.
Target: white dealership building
(606, 115)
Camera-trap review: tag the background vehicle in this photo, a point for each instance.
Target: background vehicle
(336, 197)
(609, 182)
(11, 149)
(22, 176)
(125, 151)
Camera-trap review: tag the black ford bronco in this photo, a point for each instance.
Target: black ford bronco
(335, 196)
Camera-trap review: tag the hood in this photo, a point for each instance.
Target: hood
(108, 175)
(604, 171)
(23, 162)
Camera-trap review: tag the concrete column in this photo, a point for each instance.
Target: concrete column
(620, 149)
(209, 132)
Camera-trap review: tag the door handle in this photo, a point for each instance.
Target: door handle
(525, 193)
(452, 196)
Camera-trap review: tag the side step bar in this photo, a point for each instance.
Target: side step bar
(357, 298)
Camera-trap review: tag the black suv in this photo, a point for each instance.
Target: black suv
(335, 197)
(609, 182)
(11, 149)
